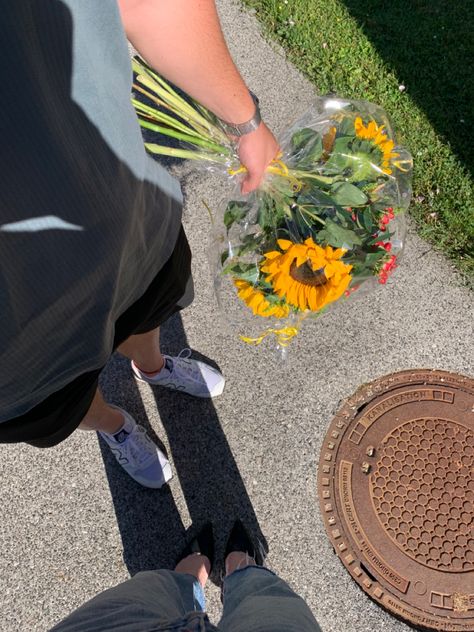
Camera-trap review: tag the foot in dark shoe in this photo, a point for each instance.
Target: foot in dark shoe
(240, 542)
(202, 543)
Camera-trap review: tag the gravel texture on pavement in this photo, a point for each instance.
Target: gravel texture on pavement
(73, 524)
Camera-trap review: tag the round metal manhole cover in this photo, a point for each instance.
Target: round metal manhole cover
(396, 485)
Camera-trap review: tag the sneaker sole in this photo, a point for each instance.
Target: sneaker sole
(167, 476)
(216, 392)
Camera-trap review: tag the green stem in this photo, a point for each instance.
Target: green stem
(158, 115)
(358, 223)
(172, 99)
(304, 210)
(304, 175)
(180, 106)
(192, 140)
(203, 131)
(186, 154)
(211, 216)
(177, 98)
(195, 105)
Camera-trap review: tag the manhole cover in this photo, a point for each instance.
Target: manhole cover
(396, 484)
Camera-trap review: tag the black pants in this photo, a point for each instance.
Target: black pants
(54, 419)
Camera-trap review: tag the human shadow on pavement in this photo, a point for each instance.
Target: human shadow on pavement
(152, 531)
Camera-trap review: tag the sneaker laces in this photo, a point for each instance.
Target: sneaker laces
(137, 446)
(188, 369)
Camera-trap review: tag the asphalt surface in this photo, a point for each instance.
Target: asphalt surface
(72, 524)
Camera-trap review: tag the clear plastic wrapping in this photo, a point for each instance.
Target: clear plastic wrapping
(326, 224)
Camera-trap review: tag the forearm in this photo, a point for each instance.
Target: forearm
(183, 40)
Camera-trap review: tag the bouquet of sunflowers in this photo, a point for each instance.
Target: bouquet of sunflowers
(327, 219)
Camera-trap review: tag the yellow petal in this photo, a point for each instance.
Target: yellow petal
(272, 255)
(387, 146)
(313, 299)
(292, 294)
(284, 244)
(372, 129)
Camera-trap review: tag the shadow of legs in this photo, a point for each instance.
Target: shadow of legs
(150, 526)
(151, 529)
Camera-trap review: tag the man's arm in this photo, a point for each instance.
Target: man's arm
(183, 40)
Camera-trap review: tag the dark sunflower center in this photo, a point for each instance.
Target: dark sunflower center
(306, 275)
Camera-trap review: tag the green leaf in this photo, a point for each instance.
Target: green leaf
(283, 186)
(361, 273)
(249, 243)
(340, 157)
(315, 197)
(374, 257)
(312, 154)
(273, 299)
(302, 137)
(347, 194)
(337, 236)
(342, 144)
(271, 211)
(235, 211)
(346, 127)
(307, 147)
(364, 168)
(245, 271)
(224, 257)
(366, 220)
(343, 218)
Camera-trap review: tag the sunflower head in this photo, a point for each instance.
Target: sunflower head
(306, 275)
(255, 299)
(377, 134)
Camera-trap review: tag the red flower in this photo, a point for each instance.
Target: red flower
(350, 290)
(387, 269)
(386, 217)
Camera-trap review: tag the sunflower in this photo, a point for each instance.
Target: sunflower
(257, 302)
(377, 134)
(306, 275)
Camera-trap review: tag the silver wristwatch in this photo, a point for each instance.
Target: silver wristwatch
(240, 129)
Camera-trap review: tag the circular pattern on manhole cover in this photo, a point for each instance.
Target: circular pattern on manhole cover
(396, 485)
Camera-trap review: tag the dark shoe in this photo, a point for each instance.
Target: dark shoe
(202, 543)
(239, 540)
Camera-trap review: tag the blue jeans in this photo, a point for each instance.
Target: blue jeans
(255, 600)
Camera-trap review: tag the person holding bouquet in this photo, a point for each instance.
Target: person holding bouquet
(93, 256)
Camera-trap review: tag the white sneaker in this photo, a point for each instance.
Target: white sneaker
(182, 373)
(137, 454)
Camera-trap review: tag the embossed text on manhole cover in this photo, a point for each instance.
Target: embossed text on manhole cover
(396, 485)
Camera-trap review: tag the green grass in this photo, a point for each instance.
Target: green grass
(366, 49)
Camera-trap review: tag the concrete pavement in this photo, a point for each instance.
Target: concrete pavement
(72, 524)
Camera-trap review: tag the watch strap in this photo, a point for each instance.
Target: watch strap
(241, 129)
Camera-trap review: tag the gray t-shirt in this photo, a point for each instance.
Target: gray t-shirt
(87, 219)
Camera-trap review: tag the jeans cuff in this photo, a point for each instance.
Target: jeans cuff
(242, 570)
